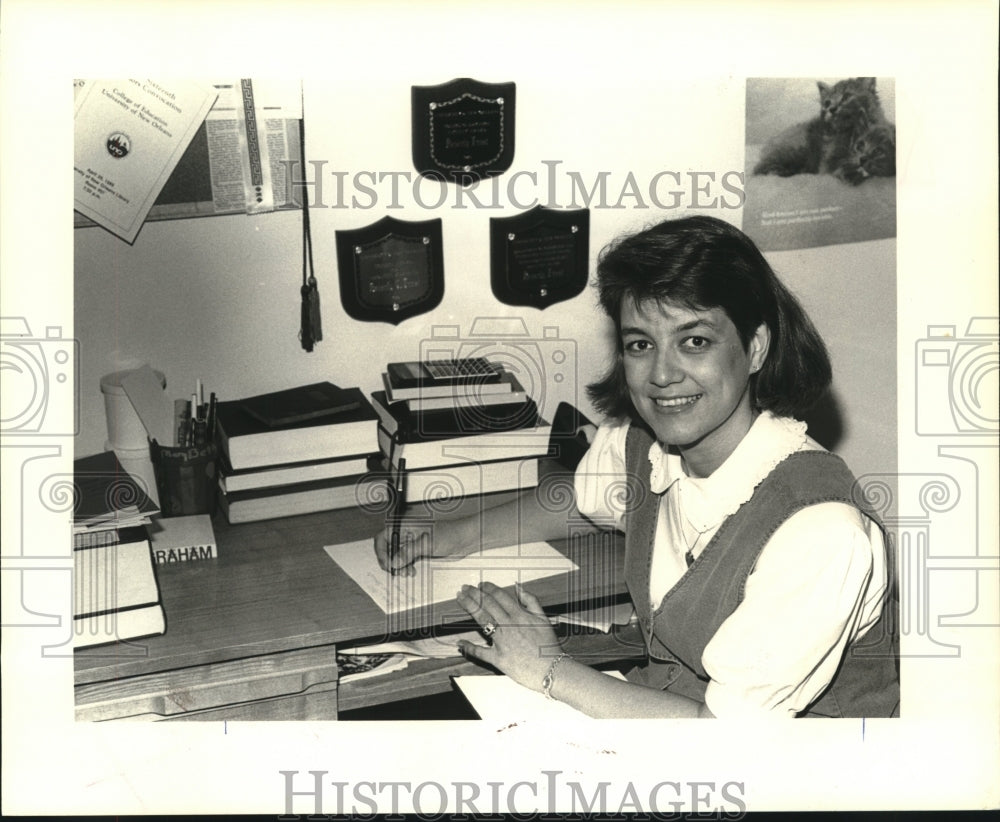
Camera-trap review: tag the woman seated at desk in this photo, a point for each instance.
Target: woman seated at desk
(760, 585)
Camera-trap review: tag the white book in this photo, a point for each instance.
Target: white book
(115, 594)
(470, 479)
(523, 443)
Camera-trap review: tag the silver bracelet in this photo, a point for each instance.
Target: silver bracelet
(549, 679)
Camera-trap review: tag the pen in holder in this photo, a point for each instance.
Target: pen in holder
(185, 478)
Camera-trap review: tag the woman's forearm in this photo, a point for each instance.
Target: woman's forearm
(606, 697)
(523, 519)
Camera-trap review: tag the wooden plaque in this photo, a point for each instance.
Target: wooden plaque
(540, 257)
(390, 270)
(463, 130)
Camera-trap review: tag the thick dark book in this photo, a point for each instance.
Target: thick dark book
(249, 443)
(317, 401)
(115, 591)
(407, 425)
(303, 498)
(107, 496)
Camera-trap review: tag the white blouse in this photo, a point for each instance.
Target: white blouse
(818, 584)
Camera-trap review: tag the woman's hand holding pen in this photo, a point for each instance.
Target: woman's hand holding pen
(416, 541)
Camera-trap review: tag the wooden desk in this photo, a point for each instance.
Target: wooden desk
(253, 634)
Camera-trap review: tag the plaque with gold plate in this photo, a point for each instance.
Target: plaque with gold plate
(540, 257)
(390, 270)
(463, 130)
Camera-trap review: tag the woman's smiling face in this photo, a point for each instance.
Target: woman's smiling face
(688, 375)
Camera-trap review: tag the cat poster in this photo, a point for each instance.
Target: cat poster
(820, 161)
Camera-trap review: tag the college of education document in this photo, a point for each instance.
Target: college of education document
(128, 136)
(438, 580)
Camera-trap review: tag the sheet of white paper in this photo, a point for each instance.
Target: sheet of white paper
(501, 698)
(438, 580)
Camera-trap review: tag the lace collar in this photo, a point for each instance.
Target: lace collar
(706, 501)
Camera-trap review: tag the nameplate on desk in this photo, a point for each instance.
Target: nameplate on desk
(540, 257)
(438, 580)
(391, 270)
(182, 539)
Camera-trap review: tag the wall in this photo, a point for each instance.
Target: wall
(217, 298)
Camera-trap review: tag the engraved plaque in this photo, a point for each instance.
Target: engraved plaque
(463, 131)
(540, 257)
(390, 270)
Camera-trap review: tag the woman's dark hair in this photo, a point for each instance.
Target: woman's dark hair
(704, 263)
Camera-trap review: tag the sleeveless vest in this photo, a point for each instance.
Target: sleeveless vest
(677, 630)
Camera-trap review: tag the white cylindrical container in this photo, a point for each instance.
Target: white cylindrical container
(125, 429)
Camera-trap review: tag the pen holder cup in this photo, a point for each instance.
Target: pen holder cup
(185, 478)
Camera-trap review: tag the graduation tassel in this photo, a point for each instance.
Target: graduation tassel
(312, 326)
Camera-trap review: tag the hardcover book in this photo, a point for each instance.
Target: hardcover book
(407, 425)
(397, 389)
(249, 443)
(274, 476)
(469, 479)
(115, 593)
(507, 391)
(523, 443)
(307, 402)
(303, 498)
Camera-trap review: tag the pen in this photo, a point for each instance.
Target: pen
(211, 417)
(397, 513)
(193, 417)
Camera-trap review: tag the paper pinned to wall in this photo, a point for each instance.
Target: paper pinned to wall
(213, 176)
(438, 580)
(128, 136)
(255, 114)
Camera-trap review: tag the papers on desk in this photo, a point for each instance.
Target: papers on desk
(365, 666)
(444, 646)
(438, 580)
(500, 698)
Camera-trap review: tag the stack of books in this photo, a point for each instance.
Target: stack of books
(115, 592)
(297, 451)
(458, 427)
